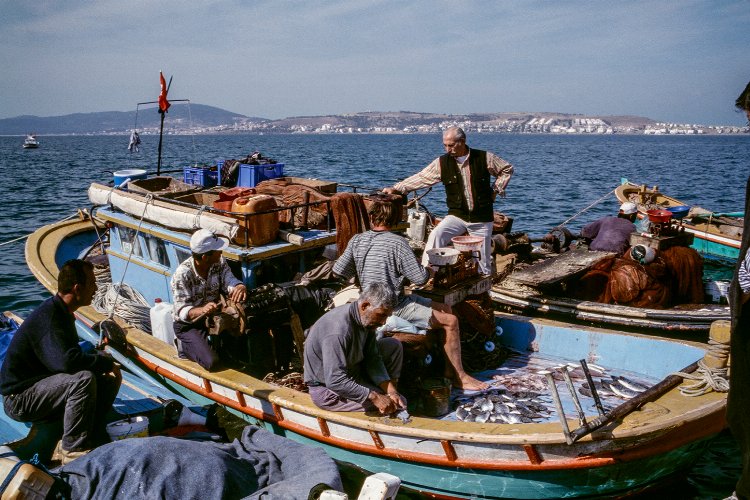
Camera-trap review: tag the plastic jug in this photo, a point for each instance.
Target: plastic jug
(417, 225)
(161, 321)
(22, 480)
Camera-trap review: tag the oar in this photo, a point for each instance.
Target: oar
(631, 405)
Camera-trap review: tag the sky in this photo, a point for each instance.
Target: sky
(676, 61)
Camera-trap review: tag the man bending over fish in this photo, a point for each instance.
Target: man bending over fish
(345, 367)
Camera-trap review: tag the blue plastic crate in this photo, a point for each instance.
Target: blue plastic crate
(201, 176)
(252, 175)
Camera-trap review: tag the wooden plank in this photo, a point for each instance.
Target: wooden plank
(455, 295)
(555, 269)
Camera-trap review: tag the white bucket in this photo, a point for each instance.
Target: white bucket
(127, 428)
(718, 291)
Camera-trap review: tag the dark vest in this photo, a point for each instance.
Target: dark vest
(481, 187)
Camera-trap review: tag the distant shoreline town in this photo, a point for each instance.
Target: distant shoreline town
(202, 119)
(532, 126)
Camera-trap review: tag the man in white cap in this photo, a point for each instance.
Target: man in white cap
(196, 287)
(612, 234)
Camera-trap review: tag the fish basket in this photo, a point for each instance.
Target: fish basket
(201, 176)
(252, 175)
(436, 397)
(467, 243)
(443, 256)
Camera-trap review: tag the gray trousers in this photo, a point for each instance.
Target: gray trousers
(81, 399)
(393, 356)
(451, 226)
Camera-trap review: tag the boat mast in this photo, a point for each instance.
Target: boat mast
(163, 107)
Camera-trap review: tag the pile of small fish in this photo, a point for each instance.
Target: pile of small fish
(620, 387)
(505, 407)
(525, 397)
(515, 383)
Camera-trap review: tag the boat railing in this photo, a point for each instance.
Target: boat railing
(244, 218)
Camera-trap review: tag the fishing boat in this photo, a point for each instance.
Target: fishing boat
(608, 449)
(547, 287)
(30, 142)
(716, 234)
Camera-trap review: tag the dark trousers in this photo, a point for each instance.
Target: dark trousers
(194, 342)
(82, 400)
(738, 408)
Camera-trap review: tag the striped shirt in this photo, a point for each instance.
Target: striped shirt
(383, 257)
(189, 290)
(430, 175)
(743, 274)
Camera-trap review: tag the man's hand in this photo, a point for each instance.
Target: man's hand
(390, 190)
(238, 293)
(383, 403)
(398, 400)
(205, 310)
(210, 308)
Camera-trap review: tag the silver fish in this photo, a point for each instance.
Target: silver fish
(622, 391)
(461, 413)
(513, 418)
(596, 370)
(482, 417)
(501, 408)
(630, 384)
(403, 415)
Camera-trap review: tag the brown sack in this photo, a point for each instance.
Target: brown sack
(351, 218)
(685, 266)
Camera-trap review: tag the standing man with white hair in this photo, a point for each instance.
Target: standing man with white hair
(465, 172)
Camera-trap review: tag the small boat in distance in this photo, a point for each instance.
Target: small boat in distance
(716, 234)
(30, 142)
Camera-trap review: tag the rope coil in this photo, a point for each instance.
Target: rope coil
(122, 300)
(706, 378)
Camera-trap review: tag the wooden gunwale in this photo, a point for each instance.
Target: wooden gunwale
(636, 440)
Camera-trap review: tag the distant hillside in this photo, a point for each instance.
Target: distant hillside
(180, 116)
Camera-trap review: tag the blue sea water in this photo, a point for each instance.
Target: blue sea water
(555, 178)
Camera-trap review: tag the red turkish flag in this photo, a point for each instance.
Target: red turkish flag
(163, 103)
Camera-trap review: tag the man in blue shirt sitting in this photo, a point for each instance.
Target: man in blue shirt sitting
(46, 375)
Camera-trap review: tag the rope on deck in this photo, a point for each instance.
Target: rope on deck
(706, 378)
(124, 301)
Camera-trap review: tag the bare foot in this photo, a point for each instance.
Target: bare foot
(469, 383)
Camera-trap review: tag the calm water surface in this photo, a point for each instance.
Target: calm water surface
(555, 177)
